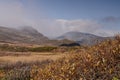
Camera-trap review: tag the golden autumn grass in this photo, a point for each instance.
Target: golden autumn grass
(98, 62)
(20, 60)
(30, 57)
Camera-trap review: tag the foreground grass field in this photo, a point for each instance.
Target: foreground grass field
(23, 61)
(98, 62)
(28, 57)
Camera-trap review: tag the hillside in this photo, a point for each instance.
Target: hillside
(82, 38)
(24, 35)
(27, 35)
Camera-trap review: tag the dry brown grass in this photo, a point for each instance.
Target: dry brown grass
(29, 57)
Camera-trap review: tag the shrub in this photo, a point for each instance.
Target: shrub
(99, 62)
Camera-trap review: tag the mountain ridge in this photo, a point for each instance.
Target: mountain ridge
(23, 35)
(27, 35)
(82, 38)
(30, 35)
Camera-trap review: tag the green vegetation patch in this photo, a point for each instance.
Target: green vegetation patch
(42, 49)
(6, 47)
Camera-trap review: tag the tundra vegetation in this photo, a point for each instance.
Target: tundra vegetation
(98, 62)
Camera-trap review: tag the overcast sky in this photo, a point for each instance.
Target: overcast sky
(55, 17)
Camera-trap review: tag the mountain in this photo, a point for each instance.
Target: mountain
(23, 35)
(27, 35)
(82, 38)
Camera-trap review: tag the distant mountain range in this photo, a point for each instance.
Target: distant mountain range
(27, 35)
(82, 38)
(30, 35)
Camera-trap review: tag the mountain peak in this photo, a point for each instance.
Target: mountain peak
(82, 38)
(28, 29)
(22, 35)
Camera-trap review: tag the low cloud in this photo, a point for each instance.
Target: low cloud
(13, 14)
(78, 25)
(57, 27)
(111, 19)
(105, 33)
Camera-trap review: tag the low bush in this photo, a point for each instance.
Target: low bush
(99, 62)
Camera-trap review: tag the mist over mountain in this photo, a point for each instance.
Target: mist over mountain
(24, 35)
(82, 38)
(30, 35)
(27, 35)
